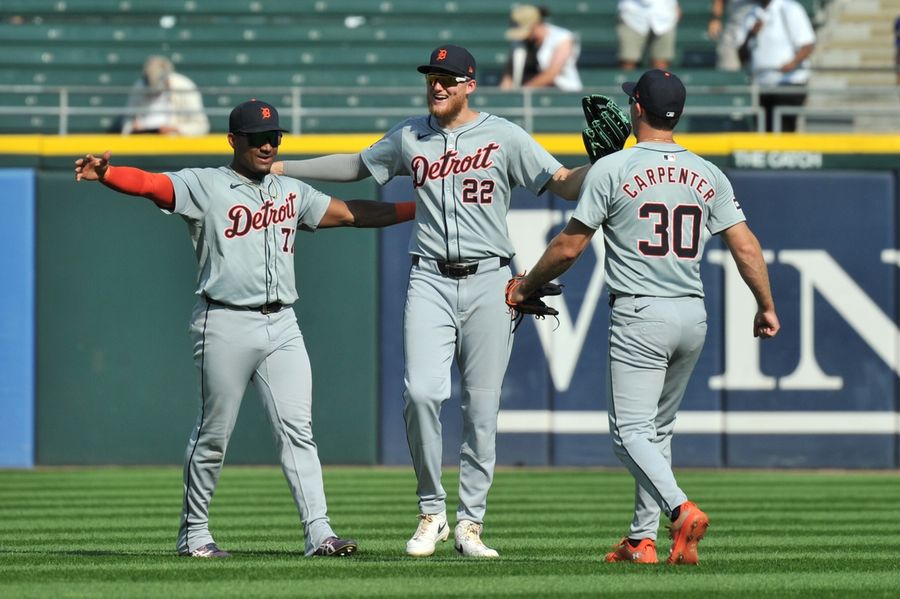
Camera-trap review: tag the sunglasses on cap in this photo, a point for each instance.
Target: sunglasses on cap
(444, 80)
(258, 140)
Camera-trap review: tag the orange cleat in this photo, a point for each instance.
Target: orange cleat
(686, 532)
(644, 553)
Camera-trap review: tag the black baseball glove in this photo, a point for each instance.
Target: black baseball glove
(608, 126)
(532, 305)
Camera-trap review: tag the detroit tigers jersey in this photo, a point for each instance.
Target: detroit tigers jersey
(653, 201)
(243, 231)
(463, 178)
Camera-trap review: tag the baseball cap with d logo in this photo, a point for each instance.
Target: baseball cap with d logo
(658, 92)
(254, 116)
(450, 60)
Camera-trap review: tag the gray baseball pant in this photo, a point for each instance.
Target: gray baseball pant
(466, 319)
(654, 344)
(231, 348)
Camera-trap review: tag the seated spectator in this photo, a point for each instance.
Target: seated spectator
(542, 55)
(897, 49)
(776, 41)
(650, 25)
(725, 22)
(165, 102)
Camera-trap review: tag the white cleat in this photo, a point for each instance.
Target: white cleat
(468, 540)
(432, 528)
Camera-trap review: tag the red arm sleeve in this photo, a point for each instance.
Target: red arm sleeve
(134, 181)
(405, 211)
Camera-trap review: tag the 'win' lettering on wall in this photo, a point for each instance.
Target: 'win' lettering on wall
(819, 274)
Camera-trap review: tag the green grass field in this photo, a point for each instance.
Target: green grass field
(110, 533)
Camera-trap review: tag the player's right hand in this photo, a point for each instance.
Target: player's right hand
(91, 168)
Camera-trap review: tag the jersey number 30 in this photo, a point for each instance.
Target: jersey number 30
(671, 238)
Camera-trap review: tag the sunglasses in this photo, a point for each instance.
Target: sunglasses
(444, 80)
(631, 100)
(258, 140)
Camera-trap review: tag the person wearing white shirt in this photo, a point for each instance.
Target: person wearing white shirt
(553, 51)
(651, 24)
(776, 41)
(165, 102)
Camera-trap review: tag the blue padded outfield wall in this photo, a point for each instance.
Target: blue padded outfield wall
(822, 394)
(17, 327)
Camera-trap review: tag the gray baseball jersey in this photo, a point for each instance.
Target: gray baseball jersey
(244, 231)
(244, 330)
(676, 194)
(463, 180)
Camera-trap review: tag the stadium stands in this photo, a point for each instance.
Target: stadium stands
(232, 47)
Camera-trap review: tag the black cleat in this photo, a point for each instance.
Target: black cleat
(336, 547)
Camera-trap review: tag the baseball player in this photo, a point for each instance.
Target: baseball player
(243, 223)
(463, 165)
(653, 201)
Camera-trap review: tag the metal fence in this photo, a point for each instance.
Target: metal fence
(64, 110)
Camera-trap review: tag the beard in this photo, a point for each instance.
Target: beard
(450, 109)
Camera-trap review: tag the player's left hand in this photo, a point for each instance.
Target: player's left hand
(765, 324)
(91, 168)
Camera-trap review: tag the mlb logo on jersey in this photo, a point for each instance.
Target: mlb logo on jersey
(669, 157)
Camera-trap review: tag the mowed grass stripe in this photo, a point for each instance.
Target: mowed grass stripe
(111, 532)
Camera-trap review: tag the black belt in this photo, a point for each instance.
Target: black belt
(613, 297)
(264, 309)
(459, 270)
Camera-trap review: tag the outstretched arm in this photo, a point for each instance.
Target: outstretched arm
(366, 213)
(126, 179)
(748, 256)
(559, 256)
(334, 167)
(566, 182)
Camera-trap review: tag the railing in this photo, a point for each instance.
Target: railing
(527, 107)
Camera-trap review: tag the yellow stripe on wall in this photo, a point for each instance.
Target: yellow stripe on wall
(712, 144)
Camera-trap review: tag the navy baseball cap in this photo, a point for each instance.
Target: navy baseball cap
(451, 60)
(658, 92)
(254, 116)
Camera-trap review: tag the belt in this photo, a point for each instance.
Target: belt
(614, 296)
(264, 309)
(458, 270)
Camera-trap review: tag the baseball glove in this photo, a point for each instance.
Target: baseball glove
(608, 126)
(532, 305)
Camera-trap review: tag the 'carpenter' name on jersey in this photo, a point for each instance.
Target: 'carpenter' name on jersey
(669, 174)
(448, 164)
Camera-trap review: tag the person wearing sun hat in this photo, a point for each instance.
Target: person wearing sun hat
(542, 54)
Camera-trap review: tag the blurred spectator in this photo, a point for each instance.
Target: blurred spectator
(725, 24)
(165, 102)
(776, 41)
(897, 49)
(543, 54)
(647, 24)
